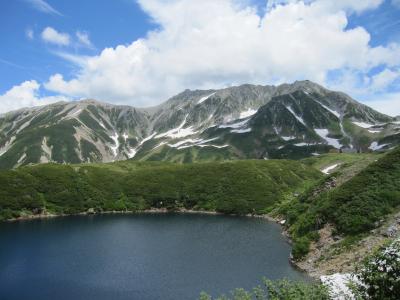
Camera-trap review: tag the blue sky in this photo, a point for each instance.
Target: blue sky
(142, 52)
(109, 23)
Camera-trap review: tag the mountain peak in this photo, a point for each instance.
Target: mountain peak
(248, 121)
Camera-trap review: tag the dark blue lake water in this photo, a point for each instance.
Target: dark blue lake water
(160, 256)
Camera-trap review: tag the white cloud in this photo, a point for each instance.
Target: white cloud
(83, 39)
(43, 6)
(29, 33)
(387, 103)
(383, 79)
(50, 35)
(218, 43)
(357, 6)
(348, 5)
(25, 95)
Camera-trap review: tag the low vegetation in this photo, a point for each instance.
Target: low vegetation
(355, 207)
(278, 290)
(379, 275)
(236, 187)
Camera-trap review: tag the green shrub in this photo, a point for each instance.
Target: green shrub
(379, 275)
(301, 246)
(355, 207)
(278, 290)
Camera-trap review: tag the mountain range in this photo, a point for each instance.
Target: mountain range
(249, 121)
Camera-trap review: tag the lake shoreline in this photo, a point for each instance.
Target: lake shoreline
(129, 212)
(267, 217)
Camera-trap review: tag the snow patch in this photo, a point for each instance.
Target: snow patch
(131, 152)
(204, 145)
(247, 113)
(328, 169)
(363, 124)
(241, 130)
(7, 146)
(288, 138)
(301, 144)
(205, 98)
(102, 125)
(22, 158)
(236, 125)
(323, 133)
(375, 146)
(335, 113)
(147, 138)
(191, 142)
(300, 119)
(23, 126)
(194, 143)
(178, 132)
(159, 145)
(125, 136)
(374, 131)
(75, 113)
(116, 142)
(46, 152)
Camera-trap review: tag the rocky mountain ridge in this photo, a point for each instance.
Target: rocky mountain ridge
(249, 121)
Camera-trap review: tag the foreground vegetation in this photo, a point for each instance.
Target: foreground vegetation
(278, 290)
(379, 275)
(236, 187)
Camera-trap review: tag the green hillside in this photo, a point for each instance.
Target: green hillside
(237, 187)
(354, 207)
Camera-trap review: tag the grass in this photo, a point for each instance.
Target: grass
(349, 164)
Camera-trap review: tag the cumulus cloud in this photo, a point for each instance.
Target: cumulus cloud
(220, 43)
(25, 95)
(43, 6)
(52, 36)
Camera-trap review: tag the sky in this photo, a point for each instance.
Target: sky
(142, 52)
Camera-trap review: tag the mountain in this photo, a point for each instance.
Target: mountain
(249, 121)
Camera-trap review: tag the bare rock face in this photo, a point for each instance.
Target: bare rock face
(249, 121)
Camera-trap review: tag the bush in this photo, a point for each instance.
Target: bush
(379, 275)
(278, 290)
(300, 247)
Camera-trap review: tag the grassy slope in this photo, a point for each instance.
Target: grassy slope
(231, 187)
(349, 164)
(355, 207)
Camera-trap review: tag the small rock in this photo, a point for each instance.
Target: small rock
(91, 211)
(391, 231)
